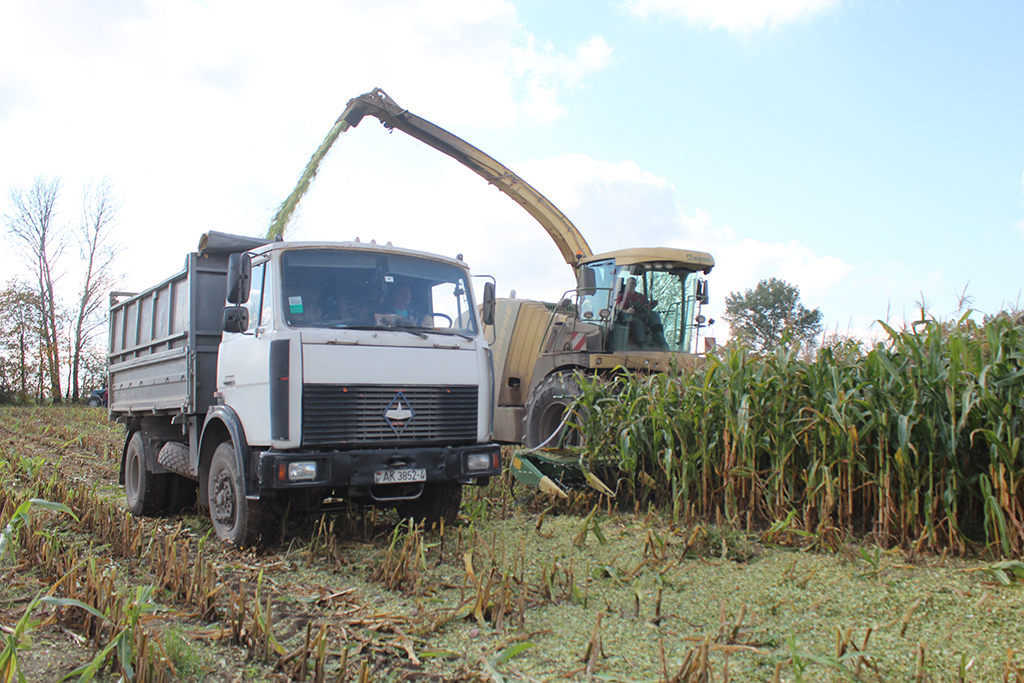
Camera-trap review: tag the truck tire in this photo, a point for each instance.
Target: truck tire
(93, 402)
(238, 522)
(546, 408)
(145, 491)
(439, 501)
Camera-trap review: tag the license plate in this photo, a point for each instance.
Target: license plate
(398, 476)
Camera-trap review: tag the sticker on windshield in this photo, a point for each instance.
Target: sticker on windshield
(295, 304)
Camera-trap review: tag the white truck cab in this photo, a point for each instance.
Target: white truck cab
(344, 371)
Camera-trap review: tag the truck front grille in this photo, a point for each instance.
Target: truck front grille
(334, 415)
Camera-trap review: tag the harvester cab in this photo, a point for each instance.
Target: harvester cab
(633, 309)
(642, 299)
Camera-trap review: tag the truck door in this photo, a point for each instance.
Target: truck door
(243, 378)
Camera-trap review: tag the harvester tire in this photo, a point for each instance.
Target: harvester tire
(546, 408)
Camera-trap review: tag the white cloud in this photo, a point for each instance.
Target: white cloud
(733, 15)
(204, 114)
(189, 69)
(744, 263)
(614, 204)
(542, 72)
(617, 205)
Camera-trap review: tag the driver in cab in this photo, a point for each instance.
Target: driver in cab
(397, 303)
(630, 299)
(638, 313)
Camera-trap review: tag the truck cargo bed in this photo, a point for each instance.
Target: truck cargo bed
(163, 342)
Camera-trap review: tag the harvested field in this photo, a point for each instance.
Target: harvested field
(522, 590)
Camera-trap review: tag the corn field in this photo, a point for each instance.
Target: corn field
(916, 442)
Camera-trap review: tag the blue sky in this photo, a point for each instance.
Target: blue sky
(871, 152)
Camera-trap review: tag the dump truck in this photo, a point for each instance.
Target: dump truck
(635, 309)
(269, 376)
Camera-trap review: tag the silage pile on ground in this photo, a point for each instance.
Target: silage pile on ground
(654, 600)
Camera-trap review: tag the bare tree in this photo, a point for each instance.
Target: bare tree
(40, 240)
(98, 252)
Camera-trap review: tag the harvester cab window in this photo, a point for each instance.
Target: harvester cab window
(595, 301)
(654, 310)
(637, 324)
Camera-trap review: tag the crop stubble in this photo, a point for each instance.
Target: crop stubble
(513, 592)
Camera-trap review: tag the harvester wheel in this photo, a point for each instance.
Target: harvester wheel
(546, 409)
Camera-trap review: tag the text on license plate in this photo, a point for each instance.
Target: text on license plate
(398, 476)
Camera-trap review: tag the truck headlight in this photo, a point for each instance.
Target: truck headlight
(476, 462)
(301, 471)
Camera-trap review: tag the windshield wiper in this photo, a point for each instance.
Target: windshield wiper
(410, 330)
(453, 333)
(397, 328)
(415, 331)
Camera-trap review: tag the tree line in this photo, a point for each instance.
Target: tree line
(51, 345)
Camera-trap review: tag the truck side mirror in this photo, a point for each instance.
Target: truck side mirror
(239, 278)
(702, 291)
(588, 282)
(488, 305)
(236, 319)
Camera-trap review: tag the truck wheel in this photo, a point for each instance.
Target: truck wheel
(93, 402)
(145, 491)
(237, 521)
(546, 409)
(439, 501)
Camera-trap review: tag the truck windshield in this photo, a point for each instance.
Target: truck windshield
(336, 288)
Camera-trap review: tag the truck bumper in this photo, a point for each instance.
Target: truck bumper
(334, 469)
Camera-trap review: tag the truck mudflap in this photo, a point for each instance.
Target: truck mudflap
(280, 470)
